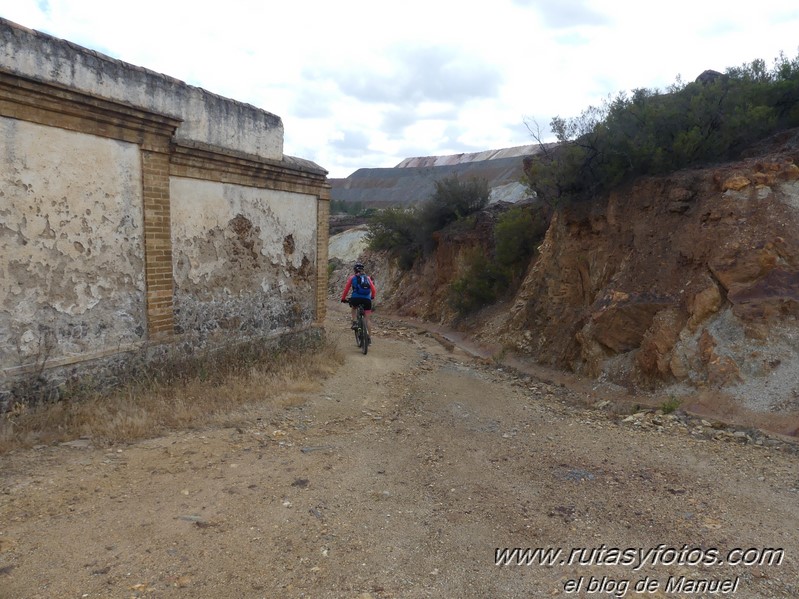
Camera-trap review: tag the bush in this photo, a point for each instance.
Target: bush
(480, 285)
(408, 233)
(453, 200)
(670, 405)
(517, 234)
(396, 230)
(654, 133)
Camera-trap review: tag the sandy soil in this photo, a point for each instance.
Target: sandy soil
(402, 478)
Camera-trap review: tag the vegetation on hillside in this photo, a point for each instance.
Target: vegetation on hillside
(351, 208)
(645, 133)
(408, 233)
(488, 276)
(649, 132)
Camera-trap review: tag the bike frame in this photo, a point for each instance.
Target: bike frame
(362, 330)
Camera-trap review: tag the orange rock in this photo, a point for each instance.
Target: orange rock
(707, 345)
(705, 303)
(735, 183)
(763, 179)
(723, 370)
(654, 356)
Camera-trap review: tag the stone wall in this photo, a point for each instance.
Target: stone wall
(137, 210)
(71, 241)
(244, 262)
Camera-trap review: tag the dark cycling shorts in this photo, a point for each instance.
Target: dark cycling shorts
(361, 301)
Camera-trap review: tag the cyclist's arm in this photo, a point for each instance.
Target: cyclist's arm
(346, 288)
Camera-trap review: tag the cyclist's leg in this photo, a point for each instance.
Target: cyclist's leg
(356, 304)
(353, 311)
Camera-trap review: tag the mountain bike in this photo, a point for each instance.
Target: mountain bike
(362, 330)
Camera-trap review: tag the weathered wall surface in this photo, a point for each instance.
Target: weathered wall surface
(72, 243)
(244, 258)
(206, 117)
(137, 210)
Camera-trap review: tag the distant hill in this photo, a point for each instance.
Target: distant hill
(413, 179)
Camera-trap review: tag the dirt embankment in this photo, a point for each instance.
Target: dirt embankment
(686, 285)
(401, 477)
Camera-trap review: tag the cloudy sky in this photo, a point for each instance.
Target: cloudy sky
(368, 83)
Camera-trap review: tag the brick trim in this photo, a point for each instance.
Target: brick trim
(322, 240)
(57, 106)
(158, 274)
(199, 161)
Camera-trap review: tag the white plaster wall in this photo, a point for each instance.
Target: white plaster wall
(207, 117)
(244, 258)
(71, 243)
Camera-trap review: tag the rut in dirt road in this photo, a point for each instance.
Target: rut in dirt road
(407, 475)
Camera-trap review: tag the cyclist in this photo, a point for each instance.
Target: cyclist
(363, 292)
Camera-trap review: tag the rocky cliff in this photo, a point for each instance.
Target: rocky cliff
(687, 283)
(690, 278)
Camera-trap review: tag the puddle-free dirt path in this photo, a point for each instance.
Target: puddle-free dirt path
(401, 478)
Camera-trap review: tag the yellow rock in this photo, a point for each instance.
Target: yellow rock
(736, 183)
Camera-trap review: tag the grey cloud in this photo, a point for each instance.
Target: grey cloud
(311, 104)
(354, 143)
(396, 119)
(448, 145)
(565, 13)
(424, 74)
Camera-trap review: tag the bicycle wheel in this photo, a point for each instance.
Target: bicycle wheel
(364, 334)
(359, 327)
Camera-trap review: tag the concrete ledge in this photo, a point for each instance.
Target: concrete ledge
(207, 117)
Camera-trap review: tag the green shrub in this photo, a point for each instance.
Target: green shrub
(517, 234)
(487, 276)
(670, 405)
(650, 132)
(453, 200)
(407, 233)
(396, 230)
(479, 286)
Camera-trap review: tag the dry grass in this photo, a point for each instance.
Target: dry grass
(178, 394)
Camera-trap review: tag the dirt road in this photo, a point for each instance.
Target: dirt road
(402, 478)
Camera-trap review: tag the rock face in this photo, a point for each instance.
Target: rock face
(348, 246)
(687, 282)
(692, 278)
(424, 291)
(413, 180)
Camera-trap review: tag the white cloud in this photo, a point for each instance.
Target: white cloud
(365, 84)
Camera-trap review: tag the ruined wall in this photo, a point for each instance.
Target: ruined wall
(244, 258)
(136, 209)
(206, 117)
(72, 274)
